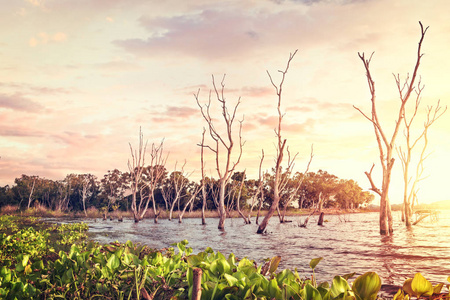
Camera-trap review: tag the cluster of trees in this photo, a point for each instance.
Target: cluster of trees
(175, 192)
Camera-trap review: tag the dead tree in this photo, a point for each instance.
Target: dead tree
(222, 141)
(238, 199)
(87, 182)
(296, 188)
(154, 174)
(386, 145)
(410, 191)
(203, 188)
(259, 190)
(30, 196)
(176, 185)
(136, 167)
(281, 144)
(189, 202)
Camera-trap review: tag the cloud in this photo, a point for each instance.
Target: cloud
(36, 3)
(44, 38)
(181, 112)
(173, 114)
(210, 33)
(19, 131)
(19, 103)
(257, 91)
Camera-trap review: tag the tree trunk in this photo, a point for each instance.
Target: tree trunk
(320, 223)
(272, 209)
(221, 208)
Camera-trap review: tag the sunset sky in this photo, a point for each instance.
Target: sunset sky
(78, 79)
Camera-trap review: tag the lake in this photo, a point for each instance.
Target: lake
(348, 243)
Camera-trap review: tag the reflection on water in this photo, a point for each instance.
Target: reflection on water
(347, 245)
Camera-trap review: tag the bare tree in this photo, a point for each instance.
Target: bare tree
(222, 141)
(238, 199)
(175, 187)
(203, 188)
(30, 196)
(192, 196)
(410, 192)
(297, 186)
(281, 144)
(87, 182)
(259, 191)
(386, 145)
(136, 167)
(154, 172)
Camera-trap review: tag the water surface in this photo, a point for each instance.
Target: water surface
(348, 243)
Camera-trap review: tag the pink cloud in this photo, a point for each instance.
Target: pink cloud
(20, 103)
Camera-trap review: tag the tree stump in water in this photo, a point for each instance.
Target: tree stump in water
(320, 223)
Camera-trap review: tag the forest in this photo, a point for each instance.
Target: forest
(175, 191)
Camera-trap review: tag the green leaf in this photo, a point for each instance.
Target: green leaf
(312, 293)
(113, 262)
(194, 260)
(274, 289)
(313, 263)
(230, 279)
(367, 286)
(274, 262)
(5, 274)
(421, 286)
(339, 286)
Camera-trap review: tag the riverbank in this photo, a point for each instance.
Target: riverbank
(43, 212)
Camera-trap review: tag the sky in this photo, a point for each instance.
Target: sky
(78, 79)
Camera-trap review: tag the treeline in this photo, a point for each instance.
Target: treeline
(175, 192)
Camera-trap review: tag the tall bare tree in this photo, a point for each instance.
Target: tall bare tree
(136, 167)
(203, 187)
(87, 182)
(222, 141)
(281, 144)
(175, 188)
(293, 193)
(386, 145)
(411, 182)
(154, 173)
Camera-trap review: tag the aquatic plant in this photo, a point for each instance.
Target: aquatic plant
(31, 269)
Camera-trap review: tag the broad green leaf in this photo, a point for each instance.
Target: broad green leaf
(312, 293)
(313, 263)
(113, 262)
(367, 286)
(230, 279)
(194, 260)
(223, 266)
(5, 274)
(339, 286)
(274, 262)
(421, 286)
(274, 290)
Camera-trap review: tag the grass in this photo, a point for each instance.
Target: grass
(40, 211)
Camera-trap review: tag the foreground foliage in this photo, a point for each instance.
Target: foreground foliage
(34, 269)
